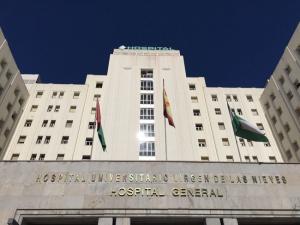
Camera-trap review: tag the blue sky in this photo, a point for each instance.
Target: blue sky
(230, 43)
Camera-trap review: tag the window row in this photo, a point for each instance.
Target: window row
(254, 112)
(225, 142)
(229, 98)
(41, 157)
(39, 140)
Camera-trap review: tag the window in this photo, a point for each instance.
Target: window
(267, 105)
(57, 107)
(86, 157)
(221, 126)
(296, 84)
(218, 111)
(272, 159)
(235, 98)
(17, 92)
(225, 141)
(272, 96)
(267, 144)
(33, 157)
(242, 142)
(254, 112)
(146, 99)
(42, 157)
(96, 96)
(54, 94)
(286, 127)
(50, 107)
(247, 158)
(214, 98)
(3, 63)
(279, 111)
(60, 156)
(52, 123)
(39, 140)
(99, 85)
(228, 98)
(39, 94)
(298, 50)
(93, 110)
(281, 80)
(280, 136)
(89, 141)
(45, 122)
(9, 107)
(92, 125)
(199, 126)
(47, 140)
(239, 111)
(297, 111)
(146, 85)
(14, 116)
(64, 140)
(295, 146)
(196, 112)
(204, 158)
(229, 158)
(250, 143)
(28, 123)
(69, 123)
(8, 75)
(147, 149)
(14, 156)
(147, 114)
(72, 109)
(146, 73)
(288, 154)
(260, 126)
(192, 87)
(254, 158)
(6, 132)
(287, 69)
(290, 95)
(201, 142)
(147, 129)
(21, 139)
(1, 125)
(61, 94)
(21, 101)
(194, 99)
(76, 94)
(249, 98)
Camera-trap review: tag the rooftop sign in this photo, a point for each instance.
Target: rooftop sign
(123, 47)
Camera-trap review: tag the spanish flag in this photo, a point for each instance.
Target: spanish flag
(167, 108)
(99, 126)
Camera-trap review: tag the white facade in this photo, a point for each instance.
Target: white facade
(13, 95)
(125, 95)
(281, 100)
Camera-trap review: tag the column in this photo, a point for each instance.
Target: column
(122, 221)
(230, 221)
(105, 221)
(212, 221)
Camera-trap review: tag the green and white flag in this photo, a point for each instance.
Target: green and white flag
(242, 128)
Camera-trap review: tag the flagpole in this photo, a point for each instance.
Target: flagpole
(237, 145)
(166, 147)
(93, 140)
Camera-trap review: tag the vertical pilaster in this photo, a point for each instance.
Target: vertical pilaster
(105, 221)
(212, 221)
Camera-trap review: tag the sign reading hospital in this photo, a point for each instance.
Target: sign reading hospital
(123, 47)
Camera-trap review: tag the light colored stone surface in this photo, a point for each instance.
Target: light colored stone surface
(19, 189)
(105, 221)
(212, 221)
(122, 221)
(230, 221)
